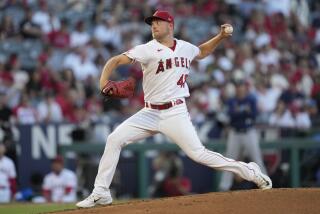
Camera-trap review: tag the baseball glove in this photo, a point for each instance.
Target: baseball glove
(119, 89)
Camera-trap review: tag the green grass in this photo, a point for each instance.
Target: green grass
(29, 208)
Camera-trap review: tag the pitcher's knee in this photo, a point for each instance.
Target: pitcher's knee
(114, 140)
(197, 155)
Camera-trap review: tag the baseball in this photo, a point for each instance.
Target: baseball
(228, 29)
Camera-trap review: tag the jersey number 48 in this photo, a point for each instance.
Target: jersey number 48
(182, 80)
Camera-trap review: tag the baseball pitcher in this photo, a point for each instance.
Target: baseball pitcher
(165, 63)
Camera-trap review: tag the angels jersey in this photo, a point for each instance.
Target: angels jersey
(7, 172)
(164, 70)
(57, 184)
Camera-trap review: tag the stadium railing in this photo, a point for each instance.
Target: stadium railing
(294, 145)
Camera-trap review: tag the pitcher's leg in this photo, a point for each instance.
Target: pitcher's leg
(253, 148)
(180, 129)
(139, 126)
(232, 151)
(123, 135)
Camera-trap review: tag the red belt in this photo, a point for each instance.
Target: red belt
(164, 105)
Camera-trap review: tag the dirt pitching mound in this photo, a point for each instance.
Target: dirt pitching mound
(273, 201)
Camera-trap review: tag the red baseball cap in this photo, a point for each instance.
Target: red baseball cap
(58, 159)
(160, 14)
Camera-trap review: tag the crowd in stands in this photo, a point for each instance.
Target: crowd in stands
(52, 54)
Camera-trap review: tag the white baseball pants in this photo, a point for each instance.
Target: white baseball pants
(5, 194)
(175, 123)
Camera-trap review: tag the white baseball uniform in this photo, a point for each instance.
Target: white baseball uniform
(164, 83)
(62, 186)
(7, 172)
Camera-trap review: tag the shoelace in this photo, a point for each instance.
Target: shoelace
(92, 196)
(262, 181)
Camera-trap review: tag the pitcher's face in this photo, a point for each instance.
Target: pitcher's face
(160, 29)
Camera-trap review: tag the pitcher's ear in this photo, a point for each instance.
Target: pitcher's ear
(171, 25)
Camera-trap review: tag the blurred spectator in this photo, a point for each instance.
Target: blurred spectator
(301, 116)
(47, 21)
(95, 50)
(60, 38)
(206, 8)
(268, 56)
(93, 107)
(34, 86)
(168, 177)
(302, 76)
(81, 65)
(6, 134)
(175, 184)
(20, 76)
(67, 99)
(292, 94)
(70, 81)
(312, 109)
(243, 138)
(71, 58)
(7, 85)
(161, 166)
(277, 78)
(281, 117)
(48, 78)
(80, 36)
(274, 6)
(7, 177)
(60, 185)
(108, 32)
(28, 28)
(7, 28)
(81, 115)
(266, 101)
(5, 111)
(25, 113)
(301, 10)
(49, 110)
(6, 76)
(78, 5)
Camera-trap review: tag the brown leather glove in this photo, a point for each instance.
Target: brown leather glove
(119, 89)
